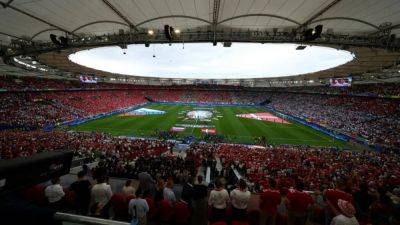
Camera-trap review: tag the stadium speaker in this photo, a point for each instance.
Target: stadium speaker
(53, 39)
(169, 32)
(63, 41)
(41, 167)
(312, 34)
(392, 38)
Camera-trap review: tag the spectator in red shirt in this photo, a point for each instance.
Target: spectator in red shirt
(181, 213)
(333, 195)
(270, 198)
(166, 211)
(119, 206)
(299, 204)
(151, 215)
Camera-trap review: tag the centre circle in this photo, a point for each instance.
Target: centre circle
(199, 114)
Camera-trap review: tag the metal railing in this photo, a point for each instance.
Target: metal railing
(78, 219)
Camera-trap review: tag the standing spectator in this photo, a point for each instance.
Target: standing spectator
(363, 199)
(269, 201)
(333, 196)
(199, 189)
(177, 189)
(159, 190)
(55, 194)
(128, 189)
(199, 215)
(101, 192)
(345, 214)
(168, 193)
(146, 182)
(138, 208)
(187, 191)
(81, 188)
(118, 205)
(219, 199)
(299, 205)
(182, 212)
(240, 198)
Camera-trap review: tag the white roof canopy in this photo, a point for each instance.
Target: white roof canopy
(36, 19)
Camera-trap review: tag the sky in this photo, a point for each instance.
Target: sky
(205, 61)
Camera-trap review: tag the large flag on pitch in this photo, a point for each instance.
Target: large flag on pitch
(177, 129)
(208, 131)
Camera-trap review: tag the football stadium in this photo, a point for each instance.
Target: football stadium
(200, 112)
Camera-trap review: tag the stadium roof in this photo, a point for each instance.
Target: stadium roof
(363, 27)
(36, 19)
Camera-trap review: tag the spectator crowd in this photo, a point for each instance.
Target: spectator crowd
(248, 185)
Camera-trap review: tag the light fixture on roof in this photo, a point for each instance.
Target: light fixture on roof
(177, 31)
(150, 32)
(301, 47)
(312, 34)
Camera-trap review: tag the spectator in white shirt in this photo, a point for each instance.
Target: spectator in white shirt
(219, 199)
(168, 193)
(239, 199)
(139, 208)
(101, 192)
(128, 189)
(345, 215)
(55, 193)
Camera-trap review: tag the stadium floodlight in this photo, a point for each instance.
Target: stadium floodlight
(177, 31)
(150, 32)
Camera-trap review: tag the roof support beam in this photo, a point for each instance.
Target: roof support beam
(217, 4)
(39, 19)
(319, 13)
(97, 22)
(261, 15)
(172, 16)
(346, 18)
(43, 31)
(6, 4)
(14, 36)
(116, 11)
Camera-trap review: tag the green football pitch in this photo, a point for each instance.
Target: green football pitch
(224, 120)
